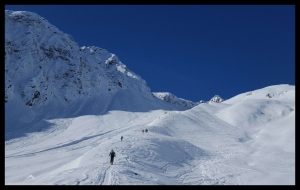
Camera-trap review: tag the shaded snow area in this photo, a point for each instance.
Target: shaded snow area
(246, 140)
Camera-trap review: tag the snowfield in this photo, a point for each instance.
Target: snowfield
(246, 140)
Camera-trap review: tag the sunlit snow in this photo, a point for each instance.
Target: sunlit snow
(210, 144)
(63, 137)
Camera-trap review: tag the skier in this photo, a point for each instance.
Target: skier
(121, 138)
(146, 130)
(112, 154)
(142, 131)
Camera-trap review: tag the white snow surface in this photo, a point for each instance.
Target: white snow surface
(67, 106)
(245, 140)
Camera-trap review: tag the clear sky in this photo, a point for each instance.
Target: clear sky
(191, 51)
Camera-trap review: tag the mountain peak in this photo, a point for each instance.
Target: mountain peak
(46, 67)
(43, 64)
(170, 98)
(216, 99)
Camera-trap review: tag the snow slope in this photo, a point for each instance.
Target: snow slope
(200, 146)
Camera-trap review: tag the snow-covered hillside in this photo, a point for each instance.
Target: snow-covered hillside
(67, 106)
(205, 145)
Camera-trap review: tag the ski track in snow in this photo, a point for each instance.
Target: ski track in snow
(105, 178)
(211, 168)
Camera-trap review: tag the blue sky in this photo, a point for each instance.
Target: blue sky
(192, 51)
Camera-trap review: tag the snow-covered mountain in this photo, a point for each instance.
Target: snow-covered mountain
(216, 99)
(169, 97)
(43, 64)
(67, 106)
(45, 68)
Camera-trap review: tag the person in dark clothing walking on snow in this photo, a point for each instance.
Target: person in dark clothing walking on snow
(112, 154)
(121, 138)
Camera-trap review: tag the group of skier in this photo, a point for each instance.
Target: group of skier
(146, 130)
(112, 154)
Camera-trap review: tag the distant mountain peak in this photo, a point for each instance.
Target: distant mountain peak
(216, 99)
(170, 98)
